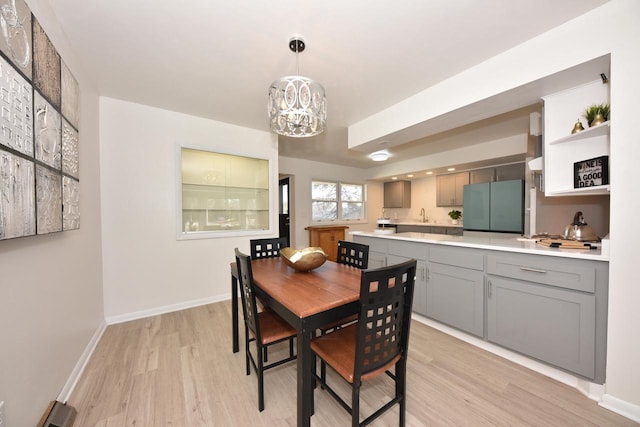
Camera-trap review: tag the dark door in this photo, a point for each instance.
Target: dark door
(283, 210)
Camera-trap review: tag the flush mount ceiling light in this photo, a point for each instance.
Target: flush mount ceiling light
(297, 105)
(379, 156)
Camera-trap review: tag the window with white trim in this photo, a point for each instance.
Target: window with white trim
(337, 201)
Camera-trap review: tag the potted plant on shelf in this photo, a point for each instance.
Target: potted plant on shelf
(597, 114)
(455, 215)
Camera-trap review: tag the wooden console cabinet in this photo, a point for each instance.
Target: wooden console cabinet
(326, 237)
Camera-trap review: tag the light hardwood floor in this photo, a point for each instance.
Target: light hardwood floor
(177, 369)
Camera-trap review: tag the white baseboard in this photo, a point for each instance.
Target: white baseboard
(621, 407)
(112, 320)
(70, 385)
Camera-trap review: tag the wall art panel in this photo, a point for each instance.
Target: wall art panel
(71, 203)
(17, 196)
(48, 200)
(16, 127)
(70, 150)
(70, 96)
(16, 40)
(47, 132)
(46, 66)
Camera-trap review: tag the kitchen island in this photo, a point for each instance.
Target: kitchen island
(549, 304)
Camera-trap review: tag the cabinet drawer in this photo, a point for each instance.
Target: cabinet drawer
(408, 249)
(564, 273)
(459, 257)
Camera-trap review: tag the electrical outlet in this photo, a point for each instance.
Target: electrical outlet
(2, 420)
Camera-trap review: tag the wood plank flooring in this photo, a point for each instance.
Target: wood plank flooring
(177, 369)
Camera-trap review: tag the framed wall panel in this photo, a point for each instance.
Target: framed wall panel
(48, 200)
(48, 138)
(70, 96)
(70, 150)
(71, 203)
(17, 196)
(15, 38)
(16, 116)
(46, 66)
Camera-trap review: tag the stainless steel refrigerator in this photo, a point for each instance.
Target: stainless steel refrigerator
(494, 206)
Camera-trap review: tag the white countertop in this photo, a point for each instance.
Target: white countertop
(496, 244)
(426, 224)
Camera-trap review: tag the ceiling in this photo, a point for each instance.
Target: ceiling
(216, 59)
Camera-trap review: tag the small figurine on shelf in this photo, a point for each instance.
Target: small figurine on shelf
(577, 127)
(597, 114)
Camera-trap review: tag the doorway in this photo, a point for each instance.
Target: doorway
(284, 208)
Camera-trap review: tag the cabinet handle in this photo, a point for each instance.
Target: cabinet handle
(534, 270)
(490, 288)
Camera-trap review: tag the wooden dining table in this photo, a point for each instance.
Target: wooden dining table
(307, 300)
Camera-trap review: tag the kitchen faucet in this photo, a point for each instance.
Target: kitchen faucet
(422, 215)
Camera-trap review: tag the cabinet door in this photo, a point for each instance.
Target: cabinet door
(476, 206)
(455, 296)
(510, 172)
(397, 194)
(482, 175)
(554, 325)
(449, 189)
(377, 260)
(420, 288)
(507, 206)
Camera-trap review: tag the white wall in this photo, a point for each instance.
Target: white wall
(618, 33)
(145, 268)
(51, 285)
(305, 171)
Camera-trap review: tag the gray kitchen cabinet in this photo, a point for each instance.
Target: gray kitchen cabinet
(482, 175)
(510, 172)
(397, 194)
(453, 231)
(550, 308)
(553, 310)
(449, 188)
(377, 259)
(497, 173)
(420, 287)
(455, 288)
(408, 228)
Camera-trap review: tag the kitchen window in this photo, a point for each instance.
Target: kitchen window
(337, 201)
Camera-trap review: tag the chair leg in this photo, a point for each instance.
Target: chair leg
(265, 355)
(355, 405)
(261, 351)
(401, 388)
(246, 350)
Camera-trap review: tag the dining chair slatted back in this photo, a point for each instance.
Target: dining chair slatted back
(264, 328)
(267, 248)
(354, 254)
(379, 340)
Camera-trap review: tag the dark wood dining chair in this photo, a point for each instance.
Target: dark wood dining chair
(354, 254)
(264, 328)
(267, 248)
(376, 343)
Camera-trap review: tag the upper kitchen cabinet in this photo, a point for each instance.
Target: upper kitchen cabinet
(397, 194)
(498, 173)
(449, 189)
(562, 149)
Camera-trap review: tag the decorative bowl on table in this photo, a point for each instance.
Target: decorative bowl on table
(303, 259)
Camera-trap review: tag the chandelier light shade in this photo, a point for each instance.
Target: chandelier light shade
(297, 105)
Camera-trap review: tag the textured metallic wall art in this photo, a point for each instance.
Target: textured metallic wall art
(70, 96)
(17, 196)
(71, 204)
(70, 150)
(46, 66)
(16, 118)
(48, 200)
(16, 40)
(39, 137)
(47, 132)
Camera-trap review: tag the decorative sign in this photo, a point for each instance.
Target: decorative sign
(591, 173)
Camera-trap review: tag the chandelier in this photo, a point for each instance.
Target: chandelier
(297, 105)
